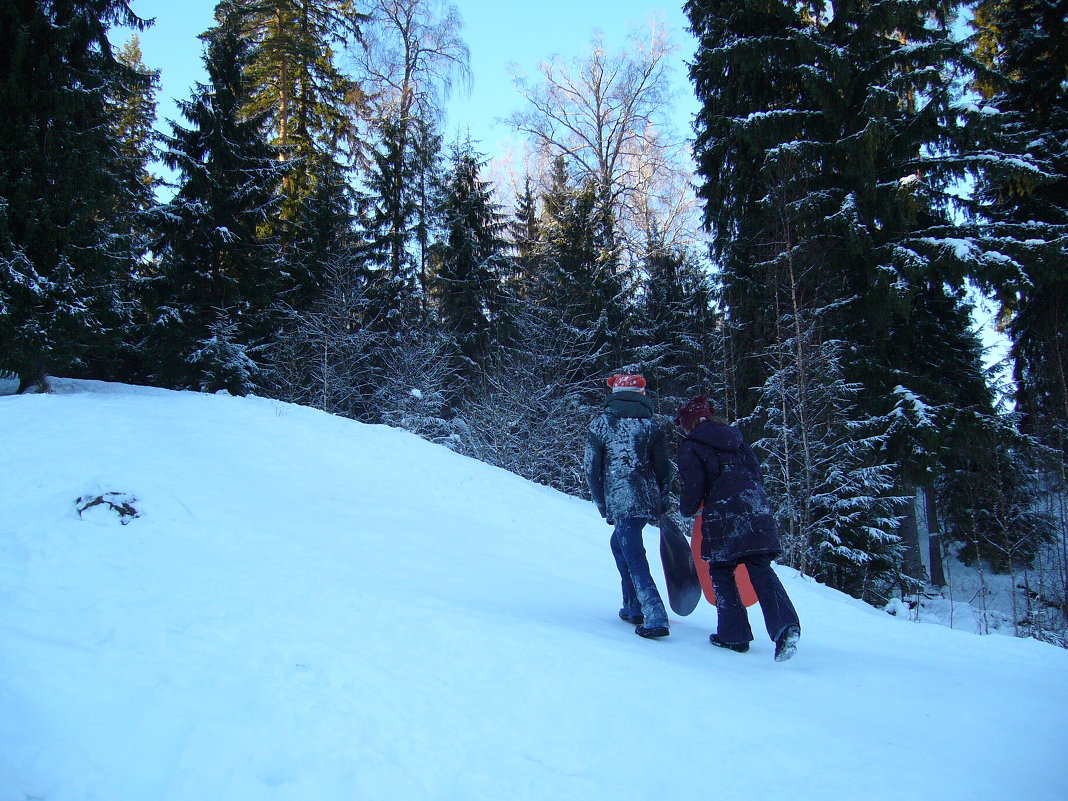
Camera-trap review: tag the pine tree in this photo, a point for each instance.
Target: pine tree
(218, 276)
(582, 284)
(412, 52)
(63, 250)
(828, 153)
(830, 144)
(428, 191)
(522, 271)
(1025, 44)
(470, 259)
(134, 108)
(390, 210)
(135, 112)
(993, 510)
(312, 110)
(527, 241)
(328, 226)
(403, 198)
(674, 325)
(749, 74)
(833, 492)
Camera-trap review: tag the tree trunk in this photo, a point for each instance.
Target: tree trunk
(33, 377)
(934, 529)
(910, 535)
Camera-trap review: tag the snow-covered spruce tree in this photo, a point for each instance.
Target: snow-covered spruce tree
(64, 252)
(581, 284)
(831, 484)
(469, 261)
(527, 242)
(976, 473)
(934, 441)
(223, 361)
(830, 144)
(1025, 44)
(391, 205)
(833, 491)
(217, 273)
(832, 136)
(674, 325)
(992, 508)
(750, 72)
(135, 117)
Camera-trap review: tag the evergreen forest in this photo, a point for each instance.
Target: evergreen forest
(808, 256)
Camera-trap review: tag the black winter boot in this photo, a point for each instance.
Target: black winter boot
(652, 633)
(626, 617)
(786, 644)
(738, 647)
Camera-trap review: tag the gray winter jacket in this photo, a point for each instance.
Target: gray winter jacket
(627, 465)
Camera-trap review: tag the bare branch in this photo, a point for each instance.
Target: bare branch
(606, 114)
(413, 55)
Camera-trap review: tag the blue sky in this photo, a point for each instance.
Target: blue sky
(500, 33)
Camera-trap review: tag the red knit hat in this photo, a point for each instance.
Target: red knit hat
(634, 382)
(691, 412)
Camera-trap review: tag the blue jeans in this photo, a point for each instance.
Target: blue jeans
(732, 624)
(640, 594)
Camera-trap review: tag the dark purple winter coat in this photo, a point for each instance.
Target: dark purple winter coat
(718, 469)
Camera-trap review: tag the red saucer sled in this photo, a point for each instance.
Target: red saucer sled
(741, 575)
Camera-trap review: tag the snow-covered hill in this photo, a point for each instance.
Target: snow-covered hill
(307, 608)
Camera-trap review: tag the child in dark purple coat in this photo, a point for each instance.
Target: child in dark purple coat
(719, 470)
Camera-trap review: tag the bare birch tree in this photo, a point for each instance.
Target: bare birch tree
(413, 55)
(605, 113)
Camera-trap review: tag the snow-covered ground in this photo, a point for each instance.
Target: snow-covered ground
(307, 608)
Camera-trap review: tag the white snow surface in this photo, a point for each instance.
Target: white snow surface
(308, 608)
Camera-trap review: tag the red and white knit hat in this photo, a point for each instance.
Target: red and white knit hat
(634, 383)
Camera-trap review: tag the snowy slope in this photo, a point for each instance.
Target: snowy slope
(310, 608)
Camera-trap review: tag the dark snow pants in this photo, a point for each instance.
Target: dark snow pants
(639, 590)
(733, 619)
